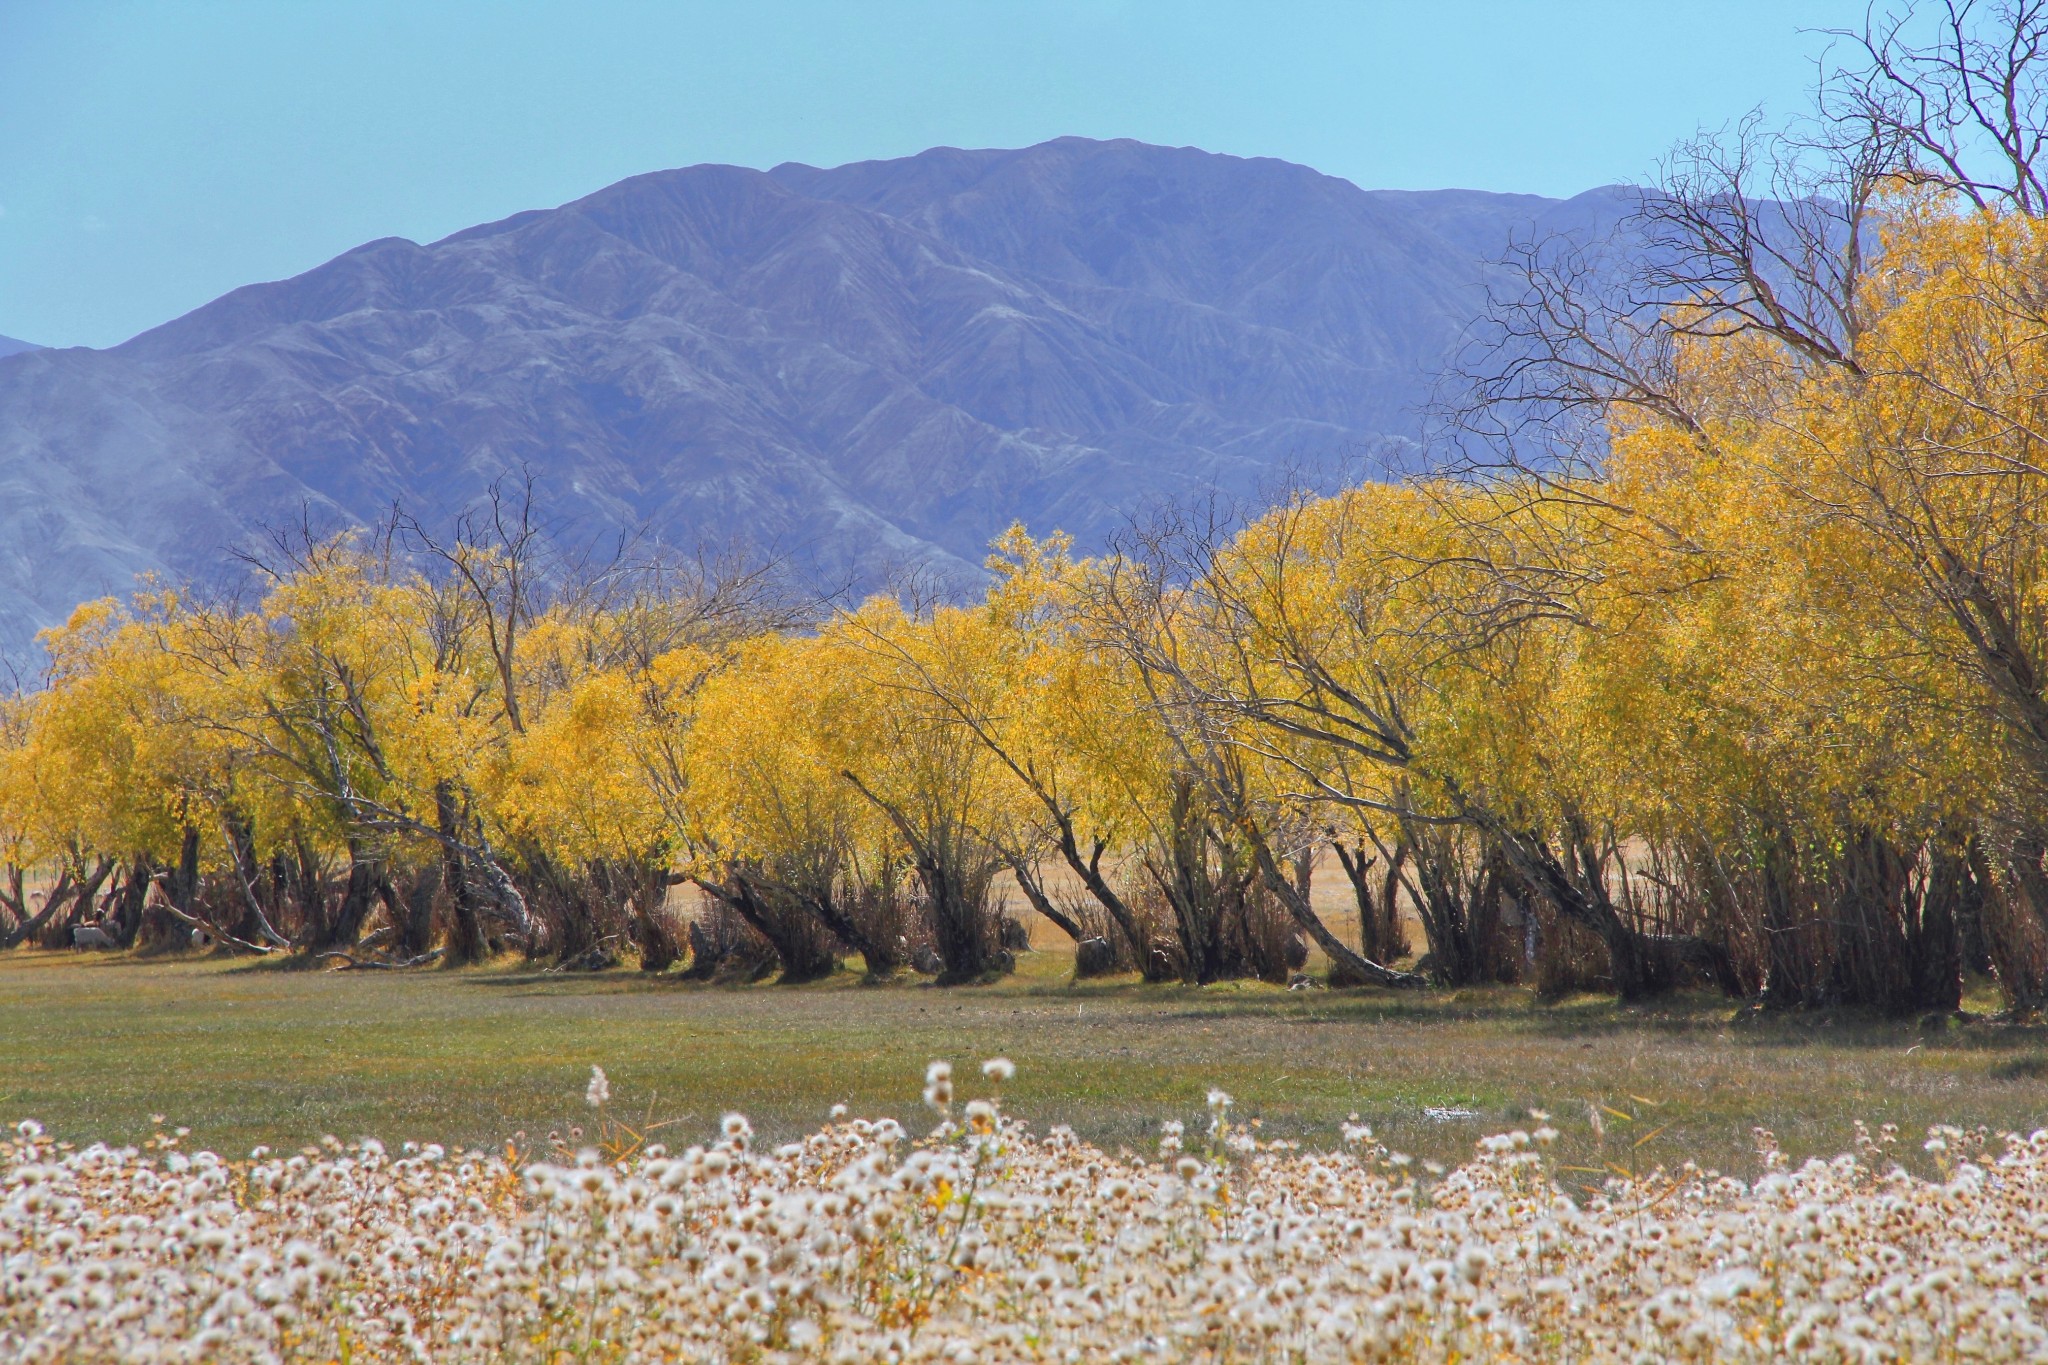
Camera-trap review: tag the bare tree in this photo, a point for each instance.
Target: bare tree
(494, 554)
(1769, 234)
(1962, 101)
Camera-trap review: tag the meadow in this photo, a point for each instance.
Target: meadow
(614, 1168)
(245, 1053)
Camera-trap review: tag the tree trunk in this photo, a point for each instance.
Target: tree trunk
(28, 927)
(250, 923)
(881, 959)
(160, 930)
(956, 879)
(1089, 870)
(2018, 906)
(412, 911)
(125, 915)
(1642, 965)
(358, 897)
(801, 945)
(309, 890)
(465, 930)
(1312, 924)
(1379, 925)
(654, 932)
(56, 933)
(1185, 883)
(1934, 935)
(1034, 892)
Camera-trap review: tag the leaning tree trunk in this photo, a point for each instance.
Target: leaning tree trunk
(880, 958)
(56, 933)
(465, 928)
(1379, 907)
(125, 905)
(802, 945)
(27, 925)
(1641, 965)
(654, 931)
(956, 879)
(161, 930)
(1034, 891)
(1089, 870)
(1350, 963)
(358, 898)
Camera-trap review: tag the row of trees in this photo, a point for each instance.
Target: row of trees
(411, 748)
(1715, 654)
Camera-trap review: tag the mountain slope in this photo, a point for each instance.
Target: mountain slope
(10, 346)
(869, 367)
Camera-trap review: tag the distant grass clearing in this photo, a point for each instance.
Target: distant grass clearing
(245, 1055)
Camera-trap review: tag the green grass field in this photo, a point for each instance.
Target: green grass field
(246, 1053)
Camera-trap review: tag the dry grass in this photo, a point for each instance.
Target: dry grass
(245, 1054)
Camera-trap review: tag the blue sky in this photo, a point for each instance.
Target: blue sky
(153, 156)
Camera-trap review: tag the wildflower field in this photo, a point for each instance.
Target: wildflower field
(984, 1241)
(1095, 1200)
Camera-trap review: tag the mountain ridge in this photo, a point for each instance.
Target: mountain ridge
(871, 366)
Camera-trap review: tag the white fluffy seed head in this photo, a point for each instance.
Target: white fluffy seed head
(938, 1085)
(1050, 1241)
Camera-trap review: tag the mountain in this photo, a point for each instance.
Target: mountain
(868, 367)
(9, 346)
